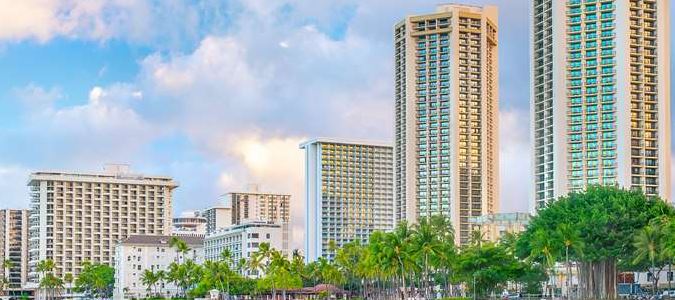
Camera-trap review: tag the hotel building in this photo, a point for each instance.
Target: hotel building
(601, 96)
(242, 240)
(349, 193)
(14, 247)
(217, 217)
(78, 217)
(256, 206)
(446, 138)
(138, 253)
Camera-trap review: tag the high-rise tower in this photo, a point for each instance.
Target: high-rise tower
(601, 96)
(446, 148)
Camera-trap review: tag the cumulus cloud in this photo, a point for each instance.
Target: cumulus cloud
(261, 76)
(78, 135)
(140, 21)
(14, 186)
(515, 160)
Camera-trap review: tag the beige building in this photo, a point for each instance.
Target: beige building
(446, 144)
(495, 226)
(14, 246)
(78, 217)
(601, 96)
(256, 206)
(217, 217)
(349, 193)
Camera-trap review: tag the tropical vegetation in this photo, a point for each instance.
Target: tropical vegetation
(596, 234)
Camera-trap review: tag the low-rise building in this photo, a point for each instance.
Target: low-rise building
(494, 226)
(138, 253)
(242, 240)
(189, 224)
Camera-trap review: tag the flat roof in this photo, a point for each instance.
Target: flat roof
(327, 140)
(161, 240)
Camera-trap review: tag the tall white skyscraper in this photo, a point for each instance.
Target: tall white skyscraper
(77, 217)
(349, 193)
(446, 149)
(601, 96)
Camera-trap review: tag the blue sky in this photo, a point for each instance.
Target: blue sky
(217, 94)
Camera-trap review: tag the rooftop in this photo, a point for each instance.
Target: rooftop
(160, 240)
(325, 140)
(111, 173)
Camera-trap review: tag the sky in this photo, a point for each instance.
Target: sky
(219, 94)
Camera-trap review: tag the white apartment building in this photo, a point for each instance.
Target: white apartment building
(14, 247)
(138, 253)
(601, 96)
(242, 240)
(446, 115)
(217, 217)
(349, 193)
(189, 224)
(77, 217)
(256, 206)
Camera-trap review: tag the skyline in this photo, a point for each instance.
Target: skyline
(136, 87)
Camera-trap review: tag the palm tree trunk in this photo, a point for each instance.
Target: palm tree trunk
(403, 279)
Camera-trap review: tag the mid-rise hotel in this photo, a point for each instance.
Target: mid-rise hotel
(446, 143)
(349, 193)
(601, 96)
(78, 217)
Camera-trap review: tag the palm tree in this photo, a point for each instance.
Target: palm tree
(226, 263)
(150, 279)
(427, 244)
(397, 249)
(6, 265)
(650, 245)
(68, 282)
(572, 241)
(181, 247)
(47, 280)
(543, 248)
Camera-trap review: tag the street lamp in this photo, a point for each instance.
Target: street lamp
(474, 286)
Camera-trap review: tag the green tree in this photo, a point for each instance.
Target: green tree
(7, 264)
(150, 279)
(607, 219)
(96, 280)
(650, 247)
(48, 282)
(184, 275)
(181, 247)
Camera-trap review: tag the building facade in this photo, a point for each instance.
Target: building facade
(446, 115)
(189, 224)
(138, 253)
(495, 226)
(217, 217)
(256, 206)
(78, 217)
(601, 96)
(349, 193)
(242, 240)
(14, 247)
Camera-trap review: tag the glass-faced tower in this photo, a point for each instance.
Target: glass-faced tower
(600, 112)
(446, 150)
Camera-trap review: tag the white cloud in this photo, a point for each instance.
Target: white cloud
(13, 184)
(141, 21)
(515, 161)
